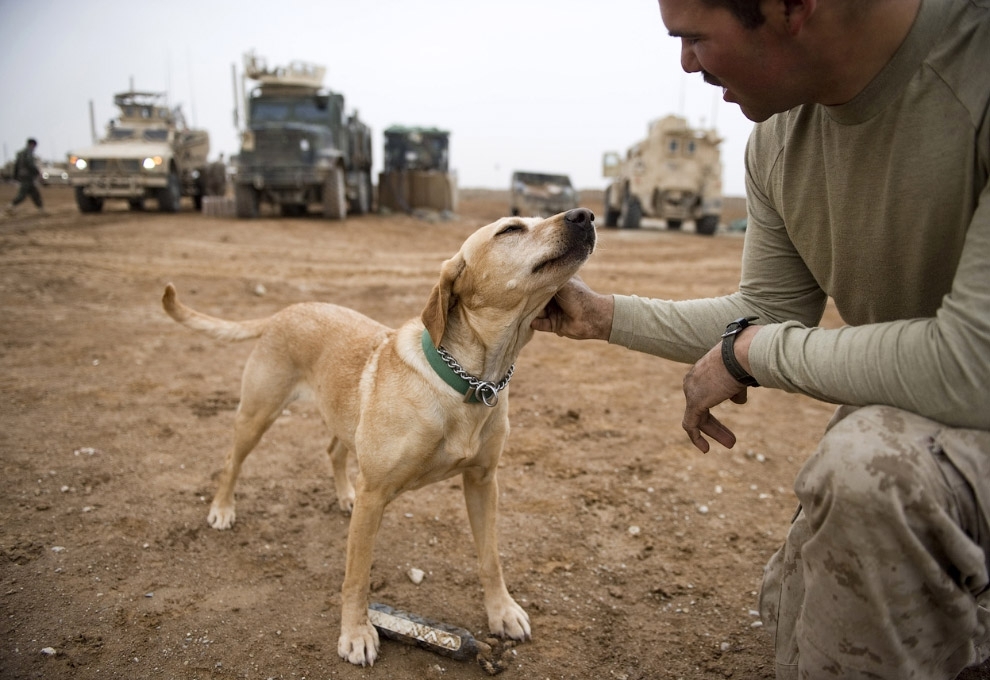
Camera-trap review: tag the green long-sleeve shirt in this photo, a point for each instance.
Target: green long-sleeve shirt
(882, 204)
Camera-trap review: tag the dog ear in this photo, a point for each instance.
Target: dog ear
(442, 299)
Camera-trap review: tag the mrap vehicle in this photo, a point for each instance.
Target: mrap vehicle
(148, 152)
(675, 174)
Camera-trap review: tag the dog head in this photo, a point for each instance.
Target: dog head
(505, 273)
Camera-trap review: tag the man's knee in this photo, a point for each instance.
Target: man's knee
(869, 461)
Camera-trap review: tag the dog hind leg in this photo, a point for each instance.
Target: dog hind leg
(345, 489)
(265, 392)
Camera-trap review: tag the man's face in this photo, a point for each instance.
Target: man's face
(748, 64)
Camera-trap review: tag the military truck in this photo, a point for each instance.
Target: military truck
(540, 194)
(148, 152)
(416, 170)
(298, 147)
(675, 174)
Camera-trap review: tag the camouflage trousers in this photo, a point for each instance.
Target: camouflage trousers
(883, 574)
(28, 189)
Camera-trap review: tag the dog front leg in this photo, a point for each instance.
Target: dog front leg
(358, 641)
(505, 617)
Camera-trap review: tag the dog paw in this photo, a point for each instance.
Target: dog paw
(509, 620)
(359, 647)
(220, 518)
(346, 504)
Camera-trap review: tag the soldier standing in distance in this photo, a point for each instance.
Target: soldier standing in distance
(26, 173)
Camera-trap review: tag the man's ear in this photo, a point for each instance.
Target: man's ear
(442, 299)
(797, 13)
(788, 15)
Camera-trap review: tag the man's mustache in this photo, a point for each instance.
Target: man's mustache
(711, 80)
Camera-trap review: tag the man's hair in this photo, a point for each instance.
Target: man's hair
(747, 11)
(32, 141)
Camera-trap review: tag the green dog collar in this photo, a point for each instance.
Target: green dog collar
(475, 391)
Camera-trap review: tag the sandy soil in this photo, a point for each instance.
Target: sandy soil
(635, 555)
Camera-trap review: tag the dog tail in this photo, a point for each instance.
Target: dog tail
(221, 329)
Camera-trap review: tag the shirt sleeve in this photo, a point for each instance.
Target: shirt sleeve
(937, 367)
(775, 285)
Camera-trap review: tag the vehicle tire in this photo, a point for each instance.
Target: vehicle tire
(632, 213)
(611, 215)
(291, 210)
(334, 195)
(88, 204)
(674, 225)
(247, 201)
(706, 225)
(362, 202)
(170, 196)
(135, 204)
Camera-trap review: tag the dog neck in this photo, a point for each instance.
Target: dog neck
(475, 390)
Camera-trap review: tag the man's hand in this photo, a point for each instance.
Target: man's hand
(577, 312)
(708, 384)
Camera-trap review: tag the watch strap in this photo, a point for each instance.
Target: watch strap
(732, 364)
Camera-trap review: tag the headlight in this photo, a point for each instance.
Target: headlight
(152, 162)
(79, 163)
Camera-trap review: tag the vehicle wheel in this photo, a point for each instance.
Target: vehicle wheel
(170, 197)
(88, 204)
(632, 213)
(674, 225)
(362, 202)
(706, 225)
(334, 196)
(135, 204)
(611, 215)
(247, 201)
(291, 210)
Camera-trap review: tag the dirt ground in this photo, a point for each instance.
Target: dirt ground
(635, 555)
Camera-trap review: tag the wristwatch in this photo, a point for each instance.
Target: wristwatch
(728, 354)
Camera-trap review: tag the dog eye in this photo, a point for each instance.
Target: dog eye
(509, 228)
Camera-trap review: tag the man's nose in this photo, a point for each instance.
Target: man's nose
(689, 61)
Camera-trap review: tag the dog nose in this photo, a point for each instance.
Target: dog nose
(579, 217)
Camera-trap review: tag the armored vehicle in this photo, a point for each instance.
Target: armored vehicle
(416, 171)
(148, 152)
(541, 194)
(298, 147)
(675, 174)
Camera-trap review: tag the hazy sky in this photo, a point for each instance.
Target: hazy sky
(543, 85)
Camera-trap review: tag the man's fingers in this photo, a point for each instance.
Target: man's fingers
(740, 397)
(542, 323)
(706, 424)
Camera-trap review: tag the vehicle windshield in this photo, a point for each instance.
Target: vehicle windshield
(313, 110)
(156, 135)
(120, 133)
(541, 178)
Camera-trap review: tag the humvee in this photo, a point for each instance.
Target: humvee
(148, 152)
(540, 194)
(675, 174)
(298, 147)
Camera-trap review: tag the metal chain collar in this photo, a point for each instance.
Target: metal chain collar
(484, 390)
